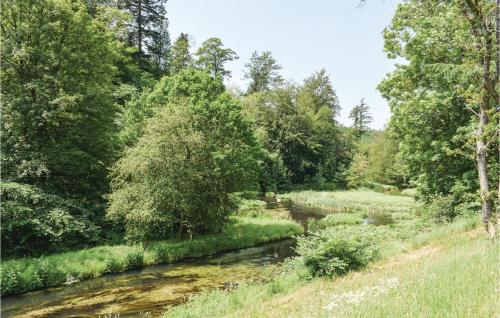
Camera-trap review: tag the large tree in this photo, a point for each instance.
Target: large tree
(443, 100)
(194, 151)
(148, 28)
(212, 56)
(361, 117)
(297, 127)
(58, 116)
(263, 72)
(180, 58)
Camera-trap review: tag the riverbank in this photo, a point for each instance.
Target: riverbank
(26, 274)
(444, 269)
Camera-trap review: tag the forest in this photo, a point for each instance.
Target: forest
(123, 148)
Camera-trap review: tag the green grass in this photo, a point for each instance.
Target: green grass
(357, 201)
(292, 292)
(457, 281)
(25, 274)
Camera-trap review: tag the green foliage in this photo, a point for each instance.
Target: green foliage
(58, 116)
(297, 129)
(336, 251)
(18, 275)
(446, 208)
(335, 219)
(113, 265)
(34, 221)
(263, 72)
(179, 175)
(358, 171)
(376, 161)
(134, 259)
(361, 117)
(192, 85)
(212, 56)
(431, 96)
(364, 201)
(179, 57)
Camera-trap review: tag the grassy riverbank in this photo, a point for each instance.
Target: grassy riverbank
(34, 273)
(411, 265)
(443, 269)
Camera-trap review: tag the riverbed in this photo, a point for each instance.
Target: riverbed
(152, 290)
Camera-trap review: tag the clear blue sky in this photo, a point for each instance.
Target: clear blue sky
(304, 36)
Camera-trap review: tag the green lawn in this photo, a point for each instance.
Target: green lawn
(33, 273)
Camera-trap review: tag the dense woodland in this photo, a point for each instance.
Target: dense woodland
(112, 131)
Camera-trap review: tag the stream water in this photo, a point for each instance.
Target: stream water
(153, 289)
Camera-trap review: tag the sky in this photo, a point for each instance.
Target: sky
(304, 36)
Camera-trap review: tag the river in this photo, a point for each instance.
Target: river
(154, 289)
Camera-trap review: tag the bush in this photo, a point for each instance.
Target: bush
(33, 221)
(134, 259)
(335, 251)
(441, 209)
(112, 265)
(10, 278)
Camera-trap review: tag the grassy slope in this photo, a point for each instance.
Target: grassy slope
(448, 272)
(448, 278)
(32, 273)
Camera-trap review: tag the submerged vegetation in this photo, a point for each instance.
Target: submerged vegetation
(33, 273)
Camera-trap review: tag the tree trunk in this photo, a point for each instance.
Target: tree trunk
(139, 32)
(482, 168)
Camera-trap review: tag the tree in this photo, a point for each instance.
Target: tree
(296, 126)
(361, 117)
(180, 58)
(318, 93)
(159, 48)
(443, 99)
(58, 117)
(212, 56)
(262, 71)
(195, 85)
(179, 175)
(148, 28)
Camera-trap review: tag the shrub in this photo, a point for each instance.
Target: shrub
(134, 259)
(441, 209)
(34, 221)
(10, 282)
(335, 251)
(112, 265)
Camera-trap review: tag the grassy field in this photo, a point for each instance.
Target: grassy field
(448, 271)
(33, 273)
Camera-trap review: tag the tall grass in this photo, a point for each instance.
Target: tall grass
(25, 274)
(359, 201)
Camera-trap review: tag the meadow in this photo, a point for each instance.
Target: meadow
(356, 201)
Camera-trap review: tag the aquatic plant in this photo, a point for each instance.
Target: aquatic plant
(18, 275)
